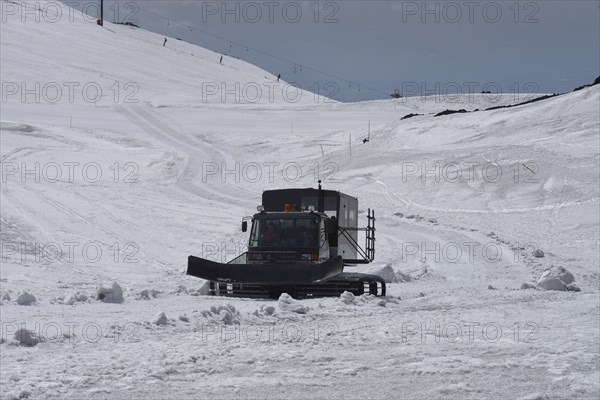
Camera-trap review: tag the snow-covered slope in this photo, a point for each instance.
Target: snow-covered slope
(126, 188)
(75, 50)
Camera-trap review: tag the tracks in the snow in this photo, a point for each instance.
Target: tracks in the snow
(190, 180)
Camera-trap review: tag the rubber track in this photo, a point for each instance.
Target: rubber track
(355, 283)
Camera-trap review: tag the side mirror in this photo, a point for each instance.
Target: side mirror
(244, 226)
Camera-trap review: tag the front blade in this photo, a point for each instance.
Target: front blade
(267, 274)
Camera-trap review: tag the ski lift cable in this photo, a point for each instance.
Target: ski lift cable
(248, 48)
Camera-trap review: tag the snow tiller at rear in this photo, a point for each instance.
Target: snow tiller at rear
(300, 242)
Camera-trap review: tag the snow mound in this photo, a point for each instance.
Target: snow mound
(422, 272)
(386, 272)
(181, 289)
(73, 299)
(160, 319)
(202, 290)
(402, 277)
(556, 278)
(264, 311)
(350, 299)
(25, 299)
(287, 303)
(184, 318)
(113, 294)
(148, 294)
(5, 297)
(571, 287)
(223, 314)
(538, 253)
(525, 286)
(76, 297)
(26, 338)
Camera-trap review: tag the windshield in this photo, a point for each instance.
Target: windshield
(285, 232)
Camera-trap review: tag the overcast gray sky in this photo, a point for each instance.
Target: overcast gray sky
(366, 49)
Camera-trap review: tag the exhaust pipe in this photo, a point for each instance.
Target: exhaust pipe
(321, 205)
